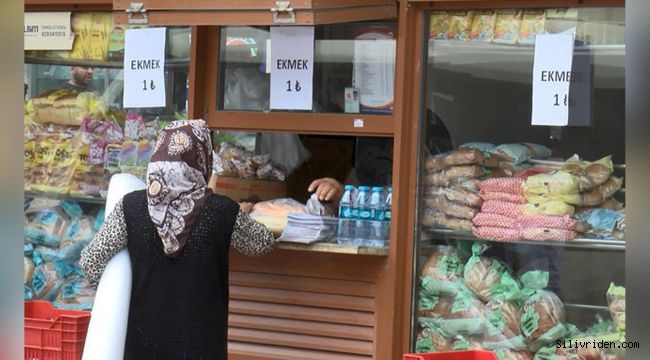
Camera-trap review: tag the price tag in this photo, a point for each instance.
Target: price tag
(552, 77)
(144, 68)
(292, 67)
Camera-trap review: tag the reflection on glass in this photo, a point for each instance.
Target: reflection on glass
(512, 254)
(353, 71)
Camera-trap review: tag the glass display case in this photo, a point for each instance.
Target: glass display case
(519, 239)
(77, 134)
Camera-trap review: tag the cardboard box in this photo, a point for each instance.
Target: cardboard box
(250, 190)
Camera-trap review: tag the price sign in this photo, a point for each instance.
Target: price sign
(292, 70)
(144, 68)
(552, 77)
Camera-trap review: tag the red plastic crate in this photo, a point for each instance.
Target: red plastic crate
(453, 355)
(54, 334)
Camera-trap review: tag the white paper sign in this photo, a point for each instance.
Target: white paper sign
(144, 68)
(292, 67)
(551, 79)
(374, 71)
(48, 31)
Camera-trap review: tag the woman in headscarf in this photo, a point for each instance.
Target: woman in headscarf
(178, 234)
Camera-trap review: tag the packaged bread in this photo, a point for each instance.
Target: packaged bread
(504, 208)
(549, 208)
(60, 170)
(433, 306)
(453, 175)
(43, 152)
(589, 174)
(273, 213)
(464, 343)
(458, 196)
(507, 26)
(436, 218)
(503, 196)
(67, 107)
(502, 326)
(558, 183)
(431, 339)
(439, 25)
(616, 305)
(102, 24)
(467, 316)
(75, 294)
(514, 153)
(511, 169)
(81, 23)
(46, 281)
(29, 148)
(542, 312)
(538, 151)
(509, 354)
(463, 156)
(602, 191)
(505, 184)
(496, 233)
(541, 221)
(441, 272)
(486, 147)
(47, 227)
(483, 26)
(495, 220)
(482, 274)
(451, 208)
(28, 269)
(547, 234)
(460, 25)
(532, 23)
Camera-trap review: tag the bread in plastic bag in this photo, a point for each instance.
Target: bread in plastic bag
(479, 145)
(47, 227)
(494, 220)
(273, 213)
(558, 183)
(453, 174)
(602, 191)
(431, 339)
(538, 151)
(28, 269)
(460, 25)
(589, 174)
(616, 305)
(504, 208)
(47, 281)
(463, 156)
(503, 196)
(496, 233)
(510, 185)
(514, 153)
(467, 316)
(441, 272)
(543, 221)
(462, 343)
(75, 294)
(451, 208)
(462, 197)
(434, 306)
(549, 208)
(482, 274)
(542, 312)
(509, 354)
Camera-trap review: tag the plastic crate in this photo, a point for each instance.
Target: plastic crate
(453, 355)
(54, 334)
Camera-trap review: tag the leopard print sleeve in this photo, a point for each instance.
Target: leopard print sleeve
(250, 237)
(109, 240)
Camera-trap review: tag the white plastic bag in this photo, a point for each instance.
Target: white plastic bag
(285, 149)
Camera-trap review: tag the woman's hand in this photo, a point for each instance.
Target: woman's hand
(246, 206)
(326, 189)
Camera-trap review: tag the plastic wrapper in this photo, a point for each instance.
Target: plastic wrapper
(455, 195)
(616, 305)
(462, 343)
(511, 169)
(549, 208)
(47, 227)
(469, 185)
(47, 280)
(44, 144)
(483, 26)
(482, 274)
(67, 107)
(441, 272)
(431, 339)
(439, 25)
(436, 218)
(75, 294)
(532, 23)
(503, 196)
(554, 222)
(483, 146)
(509, 354)
(571, 199)
(28, 269)
(538, 151)
(504, 208)
(450, 208)
(453, 175)
(601, 223)
(589, 174)
(548, 234)
(558, 183)
(506, 185)
(235, 161)
(433, 306)
(507, 26)
(602, 192)
(496, 233)
(460, 25)
(464, 156)
(467, 316)
(542, 312)
(494, 220)
(514, 153)
(273, 213)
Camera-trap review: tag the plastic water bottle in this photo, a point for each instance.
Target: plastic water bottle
(347, 221)
(363, 219)
(376, 235)
(387, 214)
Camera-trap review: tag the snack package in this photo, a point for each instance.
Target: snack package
(505, 184)
(483, 275)
(504, 208)
(133, 124)
(451, 208)
(60, 170)
(439, 26)
(431, 339)
(558, 183)
(602, 192)
(483, 26)
(549, 208)
(81, 23)
(43, 154)
(102, 24)
(507, 26)
(273, 213)
(514, 153)
(75, 294)
(460, 25)
(458, 196)
(464, 156)
(589, 174)
(503, 196)
(616, 305)
(441, 272)
(542, 312)
(128, 154)
(532, 23)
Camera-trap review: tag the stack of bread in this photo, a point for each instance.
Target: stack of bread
(498, 218)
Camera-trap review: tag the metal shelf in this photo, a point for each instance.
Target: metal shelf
(169, 63)
(84, 199)
(581, 243)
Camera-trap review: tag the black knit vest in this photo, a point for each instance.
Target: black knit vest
(179, 307)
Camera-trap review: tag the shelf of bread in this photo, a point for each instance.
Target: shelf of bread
(169, 63)
(334, 248)
(432, 234)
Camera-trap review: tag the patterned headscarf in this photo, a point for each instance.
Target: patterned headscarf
(177, 181)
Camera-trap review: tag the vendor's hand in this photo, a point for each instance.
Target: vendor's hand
(326, 189)
(246, 206)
